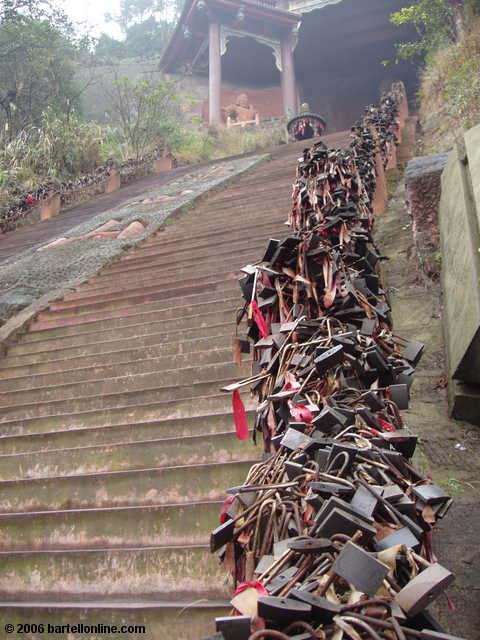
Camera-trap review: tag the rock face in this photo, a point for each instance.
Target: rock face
(460, 243)
(423, 187)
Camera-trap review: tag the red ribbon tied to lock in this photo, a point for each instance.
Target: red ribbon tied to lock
(259, 319)
(239, 416)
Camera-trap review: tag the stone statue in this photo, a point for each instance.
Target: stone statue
(241, 111)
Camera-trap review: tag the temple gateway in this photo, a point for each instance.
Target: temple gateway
(261, 59)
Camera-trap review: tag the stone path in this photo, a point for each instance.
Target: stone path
(117, 444)
(28, 236)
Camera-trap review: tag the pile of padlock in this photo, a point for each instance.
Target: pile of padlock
(330, 536)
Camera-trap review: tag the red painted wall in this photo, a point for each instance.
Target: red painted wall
(268, 102)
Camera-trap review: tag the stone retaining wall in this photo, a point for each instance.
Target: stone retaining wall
(459, 218)
(422, 181)
(104, 180)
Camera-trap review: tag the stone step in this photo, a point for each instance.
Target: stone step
(161, 452)
(13, 367)
(126, 327)
(137, 487)
(49, 349)
(47, 320)
(158, 525)
(112, 353)
(157, 280)
(166, 274)
(172, 278)
(130, 397)
(214, 234)
(189, 254)
(186, 619)
(125, 383)
(122, 432)
(253, 252)
(170, 290)
(163, 571)
(195, 293)
(164, 410)
(133, 368)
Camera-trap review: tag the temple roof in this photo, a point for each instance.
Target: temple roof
(189, 41)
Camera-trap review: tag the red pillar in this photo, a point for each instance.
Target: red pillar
(289, 88)
(214, 74)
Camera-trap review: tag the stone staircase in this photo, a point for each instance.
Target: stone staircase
(117, 444)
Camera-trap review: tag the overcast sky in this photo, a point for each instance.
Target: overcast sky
(91, 13)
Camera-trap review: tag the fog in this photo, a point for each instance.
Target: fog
(90, 16)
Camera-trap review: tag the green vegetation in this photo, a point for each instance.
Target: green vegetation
(451, 81)
(202, 143)
(46, 71)
(449, 51)
(146, 26)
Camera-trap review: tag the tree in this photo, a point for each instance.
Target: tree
(38, 53)
(148, 113)
(434, 21)
(437, 22)
(146, 25)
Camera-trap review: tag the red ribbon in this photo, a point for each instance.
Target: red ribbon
(225, 508)
(386, 426)
(259, 319)
(300, 413)
(251, 585)
(239, 416)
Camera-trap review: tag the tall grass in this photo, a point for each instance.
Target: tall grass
(450, 89)
(201, 143)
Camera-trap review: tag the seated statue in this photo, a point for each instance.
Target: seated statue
(241, 111)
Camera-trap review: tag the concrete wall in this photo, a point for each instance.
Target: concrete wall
(460, 244)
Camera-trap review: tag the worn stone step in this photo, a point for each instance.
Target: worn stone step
(251, 253)
(143, 486)
(177, 354)
(167, 380)
(168, 571)
(126, 327)
(186, 619)
(163, 410)
(212, 229)
(197, 293)
(158, 525)
(132, 368)
(125, 383)
(157, 280)
(148, 274)
(168, 289)
(125, 306)
(120, 306)
(161, 452)
(171, 265)
(254, 248)
(134, 394)
(122, 432)
(46, 349)
(214, 233)
(47, 320)
(118, 351)
(189, 254)
(170, 279)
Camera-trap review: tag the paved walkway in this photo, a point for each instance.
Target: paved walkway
(32, 235)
